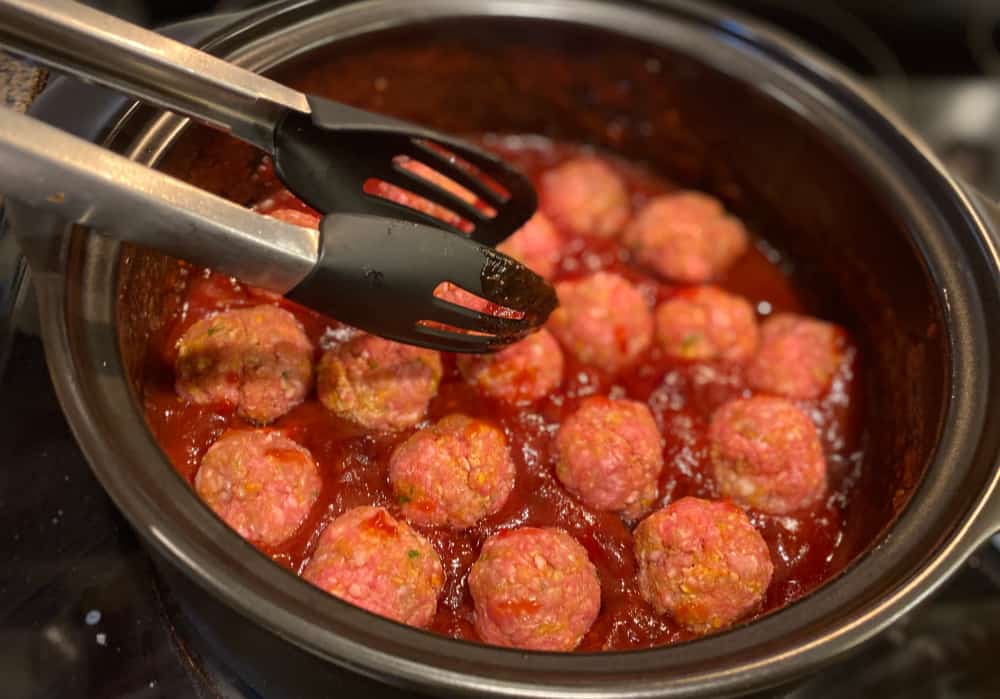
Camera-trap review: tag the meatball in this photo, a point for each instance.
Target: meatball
(611, 455)
(377, 383)
(369, 558)
(535, 589)
(702, 563)
(261, 483)
(706, 323)
(453, 473)
(521, 373)
(256, 359)
(602, 320)
(766, 454)
(797, 358)
(536, 245)
(686, 237)
(586, 197)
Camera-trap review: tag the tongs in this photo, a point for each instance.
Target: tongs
(375, 264)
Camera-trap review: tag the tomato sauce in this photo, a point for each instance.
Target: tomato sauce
(681, 395)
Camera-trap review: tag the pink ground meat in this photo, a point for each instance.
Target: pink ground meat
(686, 237)
(702, 563)
(524, 372)
(370, 559)
(706, 323)
(453, 473)
(536, 244)
(766, 454)
(377, 383)
(534, 589)
(586, 197)
(797, 358)
(602, 320)
(611, 455)
(257, 360)
(261, 483)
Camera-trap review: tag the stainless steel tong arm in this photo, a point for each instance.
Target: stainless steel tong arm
(44, 167)
(101, 48)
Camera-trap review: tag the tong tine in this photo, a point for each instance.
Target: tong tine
(489, 166)
(512, 210)
(416, 184)
(451, 341)
(453, 314)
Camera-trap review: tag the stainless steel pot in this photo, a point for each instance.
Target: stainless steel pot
(889, 243)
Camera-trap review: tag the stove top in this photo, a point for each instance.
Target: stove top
(83, 613)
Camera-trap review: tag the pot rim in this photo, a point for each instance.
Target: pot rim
(757, 654)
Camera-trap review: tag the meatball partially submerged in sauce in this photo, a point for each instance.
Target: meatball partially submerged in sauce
(602, 320)
(371, 559)
(524, 372)
(535, 589)
(586, 197)
(706, 323)
(258, 360)
(377, 383)
(260, 482)
(702, 563)
(686, 237)
(798, 356)
(766, 454)
(453, 473)
(611, 455)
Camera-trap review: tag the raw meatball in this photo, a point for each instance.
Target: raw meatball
(535, 589)
(536, 244)
(611, 455)
(686, 237)
(521, 373)
(260, 482)
(377, 383)
(602, 320)
(766, 454)
(702, 563)
(453, 473)
(256, 359)
(585, 196)
(798, 357)
(369, 558)
(706, 323)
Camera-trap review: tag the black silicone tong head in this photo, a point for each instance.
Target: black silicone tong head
(328, 157)
(383, 266)
(396, 296)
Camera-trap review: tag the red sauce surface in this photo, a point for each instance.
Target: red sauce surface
(682, 396)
